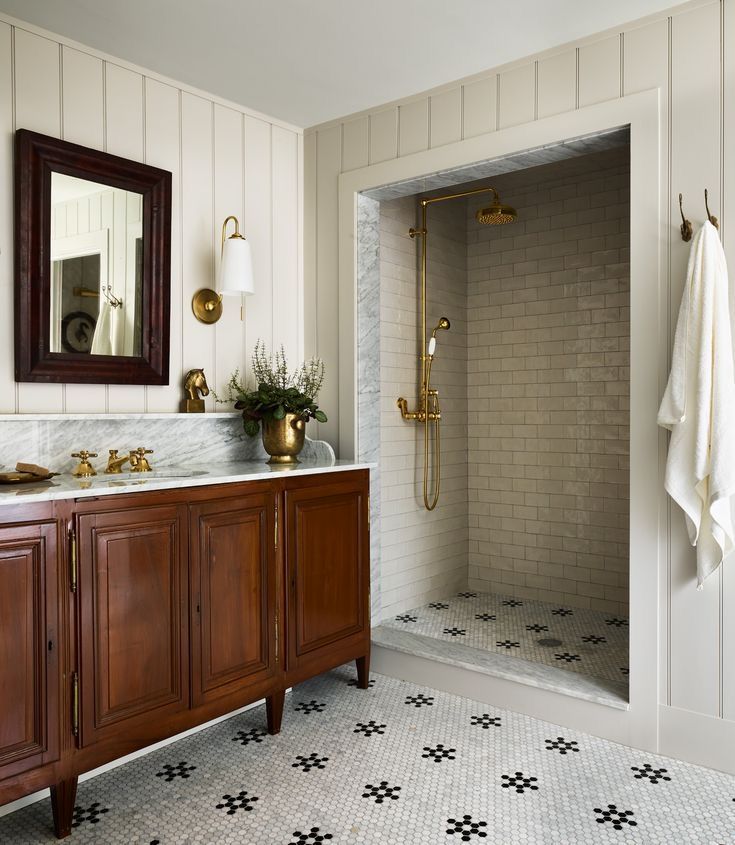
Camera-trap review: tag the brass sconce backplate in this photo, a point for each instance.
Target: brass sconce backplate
(206, 305)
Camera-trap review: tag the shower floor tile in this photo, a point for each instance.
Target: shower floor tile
(587, 642)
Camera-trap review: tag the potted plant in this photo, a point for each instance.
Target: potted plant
(280, 403)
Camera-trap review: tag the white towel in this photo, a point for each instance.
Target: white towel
(102, 340)
(699, 406)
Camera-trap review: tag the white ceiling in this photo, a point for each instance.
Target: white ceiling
(310, 61)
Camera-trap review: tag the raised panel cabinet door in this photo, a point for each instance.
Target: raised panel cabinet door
(328, 567)
(233, 577)
(29, 667)
(134, 626)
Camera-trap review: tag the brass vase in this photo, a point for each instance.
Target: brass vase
(284, 439)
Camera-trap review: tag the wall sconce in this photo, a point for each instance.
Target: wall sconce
(235, 276)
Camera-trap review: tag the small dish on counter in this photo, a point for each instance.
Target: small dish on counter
(15, 477)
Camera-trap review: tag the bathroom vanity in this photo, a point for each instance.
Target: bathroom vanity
(133, 610)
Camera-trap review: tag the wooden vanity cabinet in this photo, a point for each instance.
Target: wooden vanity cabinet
(30, 646)
(234, 607)
(328, 574)
(174, 607)
(133, 627)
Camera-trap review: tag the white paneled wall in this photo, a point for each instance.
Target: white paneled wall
(688, 55)
(224, 160)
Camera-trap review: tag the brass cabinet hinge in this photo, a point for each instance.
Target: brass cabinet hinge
(72, 559)
(75, 703)
(277, 649)
(368, 512)
(275, 533)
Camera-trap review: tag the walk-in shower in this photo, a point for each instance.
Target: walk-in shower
(429, 410)
(521, 566)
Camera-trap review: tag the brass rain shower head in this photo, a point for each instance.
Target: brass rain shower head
(496, 214)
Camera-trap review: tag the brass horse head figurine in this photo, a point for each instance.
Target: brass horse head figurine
(195, 386)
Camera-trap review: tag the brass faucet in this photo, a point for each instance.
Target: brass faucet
(115, 463)
(84, 469)
(138, 460)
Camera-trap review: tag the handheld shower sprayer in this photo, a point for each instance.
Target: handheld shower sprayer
(442, 324)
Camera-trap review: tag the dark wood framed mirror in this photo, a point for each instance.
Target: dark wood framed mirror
(92, 265)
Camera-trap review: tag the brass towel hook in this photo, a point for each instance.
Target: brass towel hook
(686, 226)
(712, 219)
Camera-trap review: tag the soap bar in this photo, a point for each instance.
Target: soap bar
(33, 469)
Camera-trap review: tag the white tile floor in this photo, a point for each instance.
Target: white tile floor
(592, 643)
(393, 765)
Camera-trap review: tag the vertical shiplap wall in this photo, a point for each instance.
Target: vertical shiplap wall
(224, 160)
(689, 55)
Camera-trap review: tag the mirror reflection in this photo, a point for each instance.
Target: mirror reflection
(96, 268)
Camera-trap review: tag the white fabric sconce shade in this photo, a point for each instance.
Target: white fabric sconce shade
(236, 267)
(235, 277)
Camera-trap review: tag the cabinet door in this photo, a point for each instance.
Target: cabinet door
(233, 576)
(328, 568)
(134, 628)
(29, 679)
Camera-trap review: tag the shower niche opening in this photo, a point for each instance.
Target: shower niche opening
(521, 569)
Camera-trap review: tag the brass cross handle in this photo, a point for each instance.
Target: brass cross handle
(138, 460)
(84, 469)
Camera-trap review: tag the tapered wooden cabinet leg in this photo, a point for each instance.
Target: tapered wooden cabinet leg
(363, 671)
(274, 711)
(63, 796)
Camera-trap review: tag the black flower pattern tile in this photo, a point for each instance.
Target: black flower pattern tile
(466, 828)
(615, 622)
(172, 771)
(485, 721)
(455, 632)
(566, 657)
(306, 764)
(594, 639)
(486, 617)
(232, 803)
(562, 611)
(563, 746)
(420, 700)
(381, 792)
(647, 772)
(439, 753)
(91, 815)
(467, 595)
(519, 782)
(246, 737)
(439, 605)
(406, 617)
(507, 644)
(537, 628)
(311, 837)
(617, 818)
(312, 706)
(512, 603)
(369, 728)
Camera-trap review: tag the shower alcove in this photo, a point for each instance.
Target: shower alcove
(530, 583)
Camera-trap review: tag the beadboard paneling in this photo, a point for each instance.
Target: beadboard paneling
(446, 117)
(222, 163)
(557, 83)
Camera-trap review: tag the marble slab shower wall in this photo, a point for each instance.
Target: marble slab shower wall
(424, 554)
(177, 440)
(368, 372)
(548, 358)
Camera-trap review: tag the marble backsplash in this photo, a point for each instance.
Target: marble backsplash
(176, 439)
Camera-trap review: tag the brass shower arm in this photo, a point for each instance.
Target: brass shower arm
(430, 200)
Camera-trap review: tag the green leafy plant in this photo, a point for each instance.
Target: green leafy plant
(276, 392)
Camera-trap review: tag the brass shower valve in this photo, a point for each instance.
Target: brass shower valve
(420, 414)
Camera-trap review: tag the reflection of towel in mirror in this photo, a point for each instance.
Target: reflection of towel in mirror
(699, 406)
(108, 332)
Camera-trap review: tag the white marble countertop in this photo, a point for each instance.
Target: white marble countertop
(67, 486)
